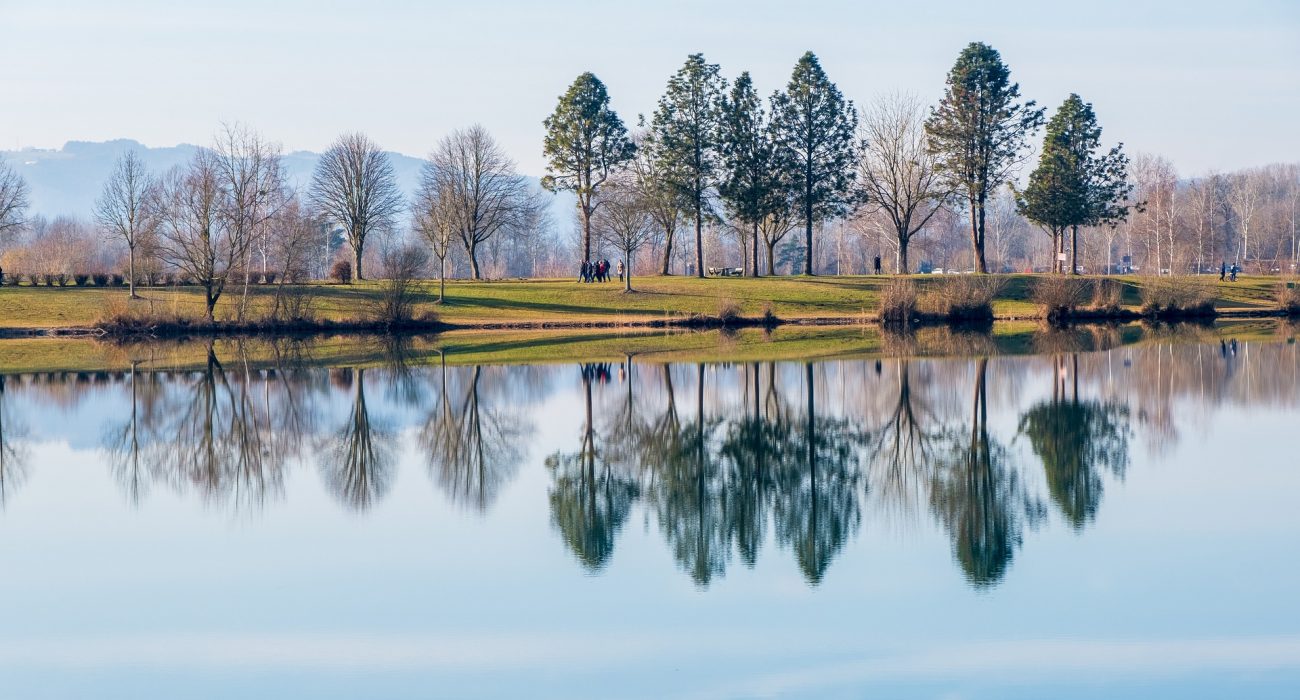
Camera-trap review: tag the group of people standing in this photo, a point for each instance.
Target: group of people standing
(598, 271)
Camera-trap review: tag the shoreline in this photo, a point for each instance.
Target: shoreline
(220, 330)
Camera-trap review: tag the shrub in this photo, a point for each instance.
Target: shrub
(268, 278)
(341, 272)
(294, 305)
(100, 279)
(728, 312)
(898, 301)
(1164, 297)
(1107, 295)
(79, 279)
(50, 279)
(963, 298)
(1288, 297)
(770, 319)
(396, 303)
(1060, 296)
(117, 280)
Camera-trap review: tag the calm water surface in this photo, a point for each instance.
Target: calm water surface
(1105, 524)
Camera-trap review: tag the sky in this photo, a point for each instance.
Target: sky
(1211, 85)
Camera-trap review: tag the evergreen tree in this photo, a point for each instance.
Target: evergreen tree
(1073, 184)
(751, 178)
(685, 134)
(585, 142)
(978, 132)
(815, 128)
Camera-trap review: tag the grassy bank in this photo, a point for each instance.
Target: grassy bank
(564, 303)
(76, 355)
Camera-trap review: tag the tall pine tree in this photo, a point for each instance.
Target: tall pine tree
(815, 129)
(585, 143)
(1075, 184)
(979, 132)
(751, 183)
(685, 134)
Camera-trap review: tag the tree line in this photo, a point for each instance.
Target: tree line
(716, 174)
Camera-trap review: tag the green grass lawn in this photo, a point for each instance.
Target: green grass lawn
(560, 301)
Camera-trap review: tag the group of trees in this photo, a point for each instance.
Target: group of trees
(706, 144)
(716, 175)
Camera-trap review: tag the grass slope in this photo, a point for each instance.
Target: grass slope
(561, 301)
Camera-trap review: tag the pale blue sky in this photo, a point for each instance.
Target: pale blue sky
(1209, 84)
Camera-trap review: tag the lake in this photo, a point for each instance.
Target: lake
(1115, 523)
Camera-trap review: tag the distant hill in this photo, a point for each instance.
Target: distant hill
(69, 179)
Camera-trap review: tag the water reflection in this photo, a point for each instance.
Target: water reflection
(1077, 440)
(13, 456)
(732, 462)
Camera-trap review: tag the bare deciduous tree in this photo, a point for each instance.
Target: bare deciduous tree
(898, 171)
(477, 179)
(13, 197)
(354, 186)
(434, 219)
(126, 209)
(195, 236)
(624, 222)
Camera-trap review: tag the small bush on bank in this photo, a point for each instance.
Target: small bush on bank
(397, 294)
(963, 298)
(341, 272)
(100, 279)
(898, 301)
(1169, 297)
(80, 279)
(1288, 297)
(1059, 296)
(1107, 295)
(728, 312)
(117, 280)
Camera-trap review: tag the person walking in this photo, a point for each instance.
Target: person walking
(1233, 273)
(582, 272)
(876, 264)
(620, 270)
(1223, 270)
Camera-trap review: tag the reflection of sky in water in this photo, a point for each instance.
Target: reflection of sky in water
(1180, 584)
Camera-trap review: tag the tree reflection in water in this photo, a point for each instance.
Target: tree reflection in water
(713, 482)
(1076, 440)
(13, 456)
(358, 466)
(473, 448)
(590, 498)
(727, 459)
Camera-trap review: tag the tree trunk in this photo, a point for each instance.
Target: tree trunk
(981, 265)
(210, 300)
(442, 278)
(1074, 250)
(771, 258)
(699, 238)
(357, 251)
(586, 232)
(627, 270)
(668, 252)
(902, 255)
(473, 261)
(131, 270)
(754, 248)
(807, 235)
